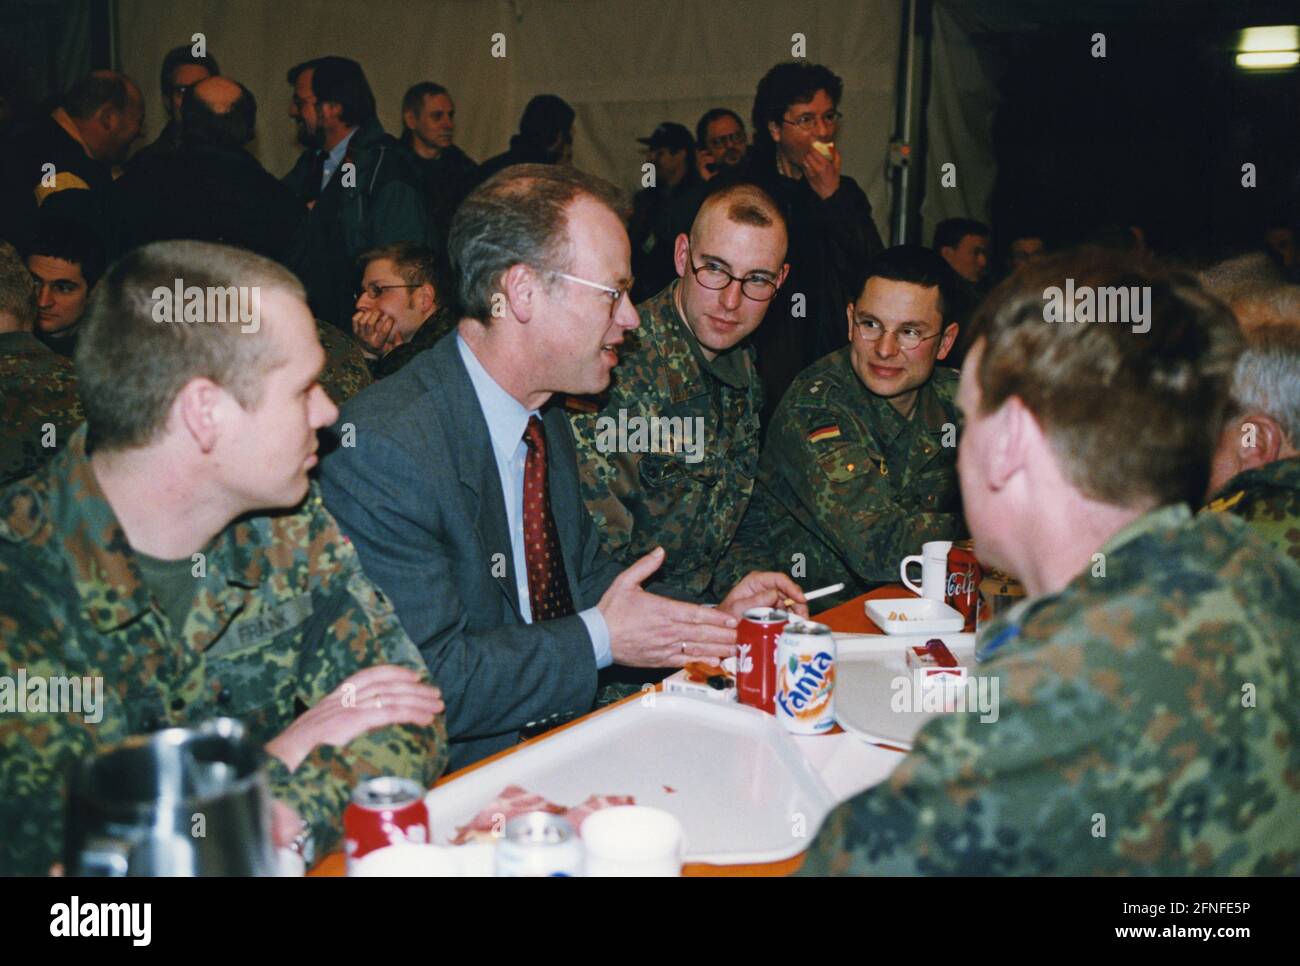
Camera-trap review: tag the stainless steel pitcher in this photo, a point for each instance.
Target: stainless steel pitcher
(179, 802)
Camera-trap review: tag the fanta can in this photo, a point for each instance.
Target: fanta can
(805, 678)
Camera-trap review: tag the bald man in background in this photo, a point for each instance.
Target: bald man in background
(210, 188)
(67, 160)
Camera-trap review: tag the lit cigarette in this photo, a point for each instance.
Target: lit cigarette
(819, 592)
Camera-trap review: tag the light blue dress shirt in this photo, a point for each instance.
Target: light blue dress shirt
(506, 420)
(335, 158)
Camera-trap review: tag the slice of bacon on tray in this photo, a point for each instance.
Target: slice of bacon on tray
(580, 813)
(514, 800)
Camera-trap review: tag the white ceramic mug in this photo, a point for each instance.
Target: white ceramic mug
(934, 569)
(633, 840)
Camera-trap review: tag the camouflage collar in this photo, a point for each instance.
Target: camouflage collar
(1168, 517)
(1279, 475)
(108, 579)
(1006, 628)
(728, 368)
(673, 339)
(928, 414)
(15, 342)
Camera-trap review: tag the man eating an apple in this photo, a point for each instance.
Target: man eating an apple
(832, 234)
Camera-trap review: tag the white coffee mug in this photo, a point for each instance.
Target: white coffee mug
(633, 840)
(934, 569)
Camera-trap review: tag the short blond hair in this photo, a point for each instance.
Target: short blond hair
(130, 367)
(746, 204)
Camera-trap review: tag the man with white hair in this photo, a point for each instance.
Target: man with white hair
(1256, 470)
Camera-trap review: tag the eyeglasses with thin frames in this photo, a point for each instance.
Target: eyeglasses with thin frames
(759, 288)
(615, 294)
(726, 140)
(870, 330)
(374, 289)
(807, 122)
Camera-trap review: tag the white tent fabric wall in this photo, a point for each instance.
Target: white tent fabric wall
(963, 99)
(625, 67)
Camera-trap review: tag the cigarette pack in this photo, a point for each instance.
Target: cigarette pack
(702, 681)
(934, 663)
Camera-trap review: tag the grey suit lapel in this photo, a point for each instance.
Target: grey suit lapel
(476, 466)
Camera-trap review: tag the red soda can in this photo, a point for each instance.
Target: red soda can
(384, 811)
(756, 639)
(962, 592)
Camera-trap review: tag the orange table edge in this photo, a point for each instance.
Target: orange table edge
(848, 617)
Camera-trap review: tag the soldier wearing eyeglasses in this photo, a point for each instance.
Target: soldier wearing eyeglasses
(860, 466)
(689, 366)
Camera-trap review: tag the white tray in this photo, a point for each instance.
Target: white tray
(924, 616)
(741, 788)
(865, 669)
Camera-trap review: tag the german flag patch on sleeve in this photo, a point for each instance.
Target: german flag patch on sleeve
(821, 433)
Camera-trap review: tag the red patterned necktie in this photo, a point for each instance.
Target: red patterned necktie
(548, 584)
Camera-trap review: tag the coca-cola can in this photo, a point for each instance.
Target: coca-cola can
(384, 811)
(962, 592)
(760, 628)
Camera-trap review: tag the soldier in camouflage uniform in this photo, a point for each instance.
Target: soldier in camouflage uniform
(39, 407)
(345, 373)
(860, 464)
(1268, 498)
(257, 617)
(667, 456)
(1144, 715)
(1256, 470)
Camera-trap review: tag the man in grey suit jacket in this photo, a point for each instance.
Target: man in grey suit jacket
(429, 479)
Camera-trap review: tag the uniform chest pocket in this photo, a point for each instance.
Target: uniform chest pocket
(659, 471)
(256, 660)
(843, 464)
(936, 488)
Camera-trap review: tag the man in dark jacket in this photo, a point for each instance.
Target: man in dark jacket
(360, 188)
(545, 136)
(447, 174)
(181, 70)
(209, 188)
(671, 149)
(832, 234)
(65, 162)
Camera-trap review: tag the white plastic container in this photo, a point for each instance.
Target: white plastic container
(914, 615)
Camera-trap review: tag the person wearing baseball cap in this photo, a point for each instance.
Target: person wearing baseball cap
(670, 148)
